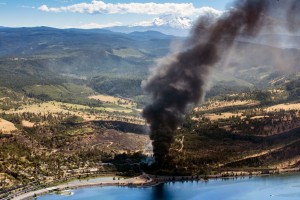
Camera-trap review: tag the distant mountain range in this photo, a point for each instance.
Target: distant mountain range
(107, 60)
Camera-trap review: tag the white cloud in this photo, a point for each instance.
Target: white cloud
(96, 25)
(44, 8)
(151, 8)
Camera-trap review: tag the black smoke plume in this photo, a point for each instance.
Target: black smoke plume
(181, 78)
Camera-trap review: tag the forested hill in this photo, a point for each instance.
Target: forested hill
(84, 51)
(116, 63)
(98, 58)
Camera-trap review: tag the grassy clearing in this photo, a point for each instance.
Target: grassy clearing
(66, 92)
(128, 52)
(80, 131)
(58, 91)
(126, 103)
(87, 113)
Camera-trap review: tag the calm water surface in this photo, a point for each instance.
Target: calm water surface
(282, 187)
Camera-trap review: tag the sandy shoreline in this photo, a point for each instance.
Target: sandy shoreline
(140, 181)
(145, 180)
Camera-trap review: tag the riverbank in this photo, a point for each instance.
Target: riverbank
(147, 180)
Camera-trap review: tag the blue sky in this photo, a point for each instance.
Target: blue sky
(89, 13)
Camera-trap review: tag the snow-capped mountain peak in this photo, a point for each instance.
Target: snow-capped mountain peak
(170, 24)
(172, 21)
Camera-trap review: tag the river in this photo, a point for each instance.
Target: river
(279, 187)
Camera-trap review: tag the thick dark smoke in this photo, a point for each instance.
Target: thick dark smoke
(181, 78)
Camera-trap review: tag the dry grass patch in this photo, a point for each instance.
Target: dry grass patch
(292, 106)
(43, 108)
(104, 98)
(215, 117)
(6, 126)
(260, 117)
(27, 124)
(114, 100)
(210, 105)
(7, 181)
(59, 107)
